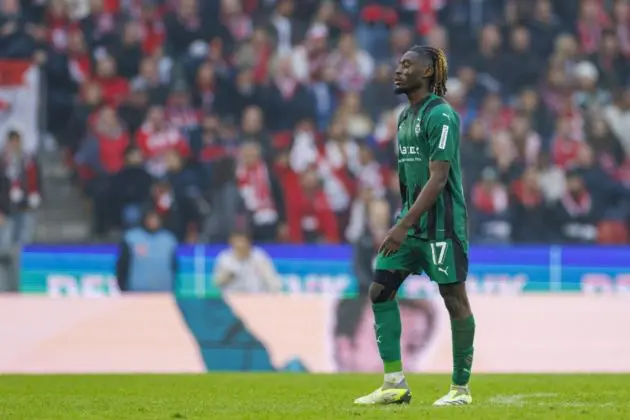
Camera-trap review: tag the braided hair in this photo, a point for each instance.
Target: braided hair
(440, 67)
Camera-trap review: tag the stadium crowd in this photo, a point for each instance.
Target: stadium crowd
(280, 114)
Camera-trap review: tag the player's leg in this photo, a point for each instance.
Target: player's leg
(448, 266)
(390, 273)
(463, 336)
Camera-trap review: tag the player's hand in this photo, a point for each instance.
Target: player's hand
(394, 239)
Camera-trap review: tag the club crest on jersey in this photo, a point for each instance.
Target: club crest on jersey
(416, 129)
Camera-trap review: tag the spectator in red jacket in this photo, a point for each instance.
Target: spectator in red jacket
(103, 152)
(156, 137)
(115, 88)
(309, 214)
(102, 155)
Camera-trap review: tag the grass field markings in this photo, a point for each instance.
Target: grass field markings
(520, 400)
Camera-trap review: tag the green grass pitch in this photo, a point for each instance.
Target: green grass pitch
(305, 397)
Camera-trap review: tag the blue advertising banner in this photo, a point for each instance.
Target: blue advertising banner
(89, 270)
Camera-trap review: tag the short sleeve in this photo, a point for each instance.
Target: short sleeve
(443, 135)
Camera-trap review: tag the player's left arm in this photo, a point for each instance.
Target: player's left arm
(443, 132)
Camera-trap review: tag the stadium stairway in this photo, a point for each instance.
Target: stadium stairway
(63, 216)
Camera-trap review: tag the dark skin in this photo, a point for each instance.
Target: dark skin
(412, 78)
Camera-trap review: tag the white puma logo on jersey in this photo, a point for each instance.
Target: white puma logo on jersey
(446, 115)
(443, 270)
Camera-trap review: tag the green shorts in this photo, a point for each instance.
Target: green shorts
(445, 261)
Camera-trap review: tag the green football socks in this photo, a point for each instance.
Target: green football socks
(387, 327)
(463, 333)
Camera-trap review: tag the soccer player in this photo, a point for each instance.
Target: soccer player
(431, 233)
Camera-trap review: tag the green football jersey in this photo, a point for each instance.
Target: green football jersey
(429, 131)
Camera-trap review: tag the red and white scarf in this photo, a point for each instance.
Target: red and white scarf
(255, 188)
(426, 16)
(577, 206)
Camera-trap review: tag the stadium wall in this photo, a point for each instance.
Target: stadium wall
(158, 333)
(538, 309)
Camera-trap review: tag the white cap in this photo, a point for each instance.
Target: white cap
(318, 30)
(198, 48)
(455, 87)
(586, 70)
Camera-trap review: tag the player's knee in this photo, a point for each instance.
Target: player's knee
(385, 285)
(376, 293)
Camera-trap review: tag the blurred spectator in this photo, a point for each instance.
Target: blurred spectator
(253, 130)
(216, 167)
(309, 59)
(590, 25)
(180, 112)
(178, 211)
(487, 59)
(100, 25)
(24, 196)
(490, 215)
(130, 189)
(353, 66)
(611, 197)
(528, 210)
(244, 93)
(588, 96)
(565, 146)
(311, 218)
(458, 94)
(574, 214)
(256, 54)
(262, 195)
(77, 127)
(476, 154)
(103, 151)
(620, 15)
(147, 259)
(369, 173)
(149, 79)
(540, 120)
(238, 23)
(156, 137)
(544, 27)
(185, 26)
(244, 268)
(101, 155)
(550, 179)
(128, 50)
(358, 124)
(114, 87)
(612, 65)
(286, 31)
(287, 101)
(379, 94)
(134, 110)
(521, 63)
(617, 115)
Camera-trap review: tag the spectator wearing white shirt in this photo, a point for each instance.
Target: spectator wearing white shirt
(244, 268)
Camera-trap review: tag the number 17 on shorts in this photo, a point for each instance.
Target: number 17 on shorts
(447, 261)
